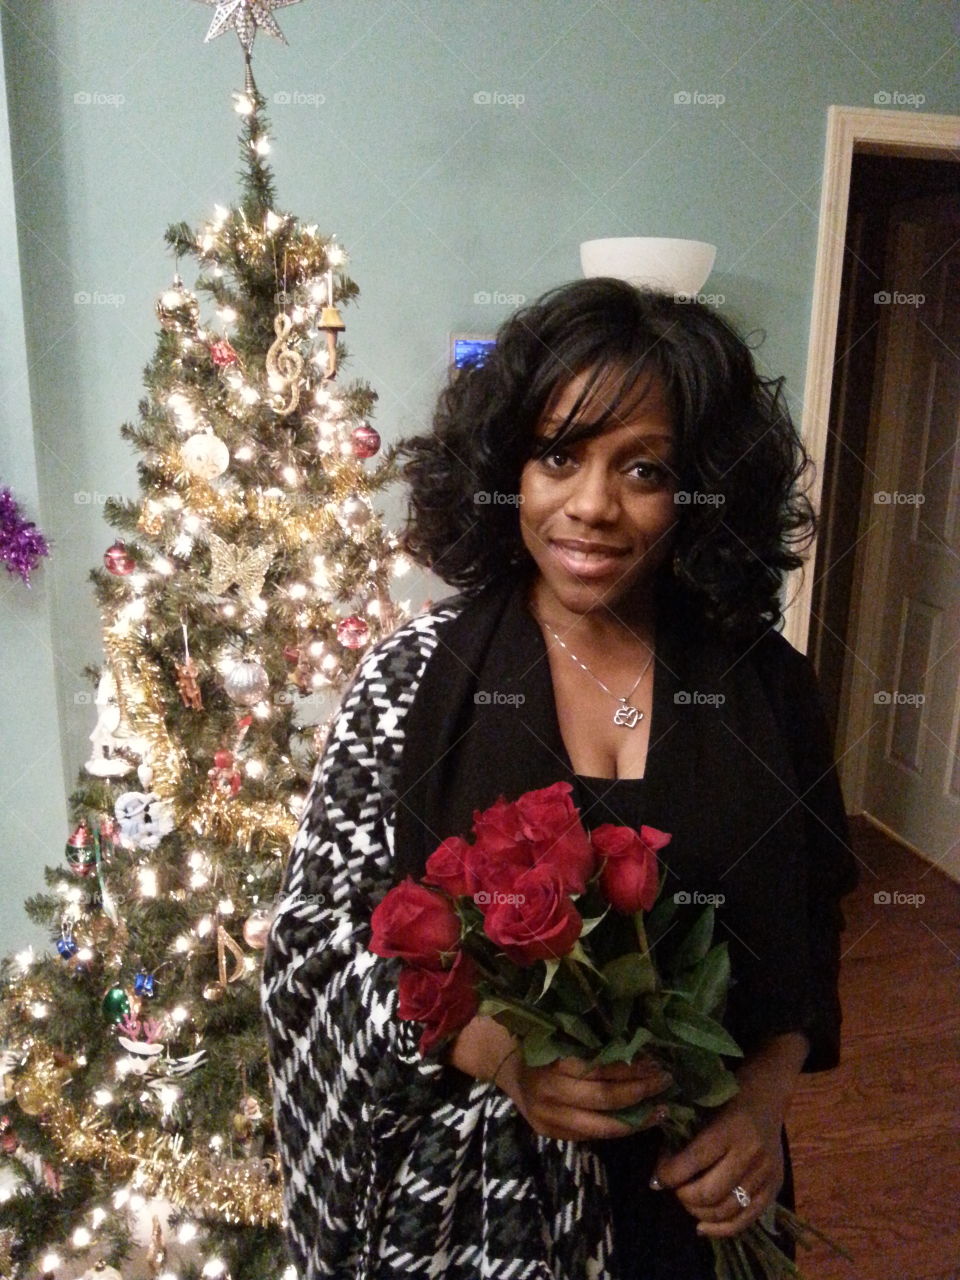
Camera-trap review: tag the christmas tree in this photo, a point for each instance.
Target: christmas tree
(244, 586)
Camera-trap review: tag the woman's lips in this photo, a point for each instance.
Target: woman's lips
(588, 560)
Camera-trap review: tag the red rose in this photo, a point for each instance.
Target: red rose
(443, 1001)
(415, 924)
(447, 867)
(550, 820)
(629, 874)
(536, 920)
(541, 828)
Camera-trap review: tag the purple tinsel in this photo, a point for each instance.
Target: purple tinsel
(21, 542)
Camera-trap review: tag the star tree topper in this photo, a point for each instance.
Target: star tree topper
(244, 16)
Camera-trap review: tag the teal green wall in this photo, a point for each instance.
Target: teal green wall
(436, 196)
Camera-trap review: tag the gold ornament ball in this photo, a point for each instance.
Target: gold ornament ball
(35, 1096)
(255, 930)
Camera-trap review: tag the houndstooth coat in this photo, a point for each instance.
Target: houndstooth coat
(393, 1165)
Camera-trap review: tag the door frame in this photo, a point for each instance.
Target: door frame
(849, 129)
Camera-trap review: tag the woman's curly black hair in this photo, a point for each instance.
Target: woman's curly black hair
(739, 456)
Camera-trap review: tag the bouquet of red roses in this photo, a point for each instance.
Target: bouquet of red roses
(562, 936)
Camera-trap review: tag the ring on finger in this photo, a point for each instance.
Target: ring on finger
(741, 1196)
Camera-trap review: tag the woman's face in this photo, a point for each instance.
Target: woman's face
(597, 513)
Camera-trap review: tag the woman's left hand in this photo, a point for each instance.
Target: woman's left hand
(739, 1148)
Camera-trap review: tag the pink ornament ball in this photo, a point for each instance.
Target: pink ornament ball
(118, 560)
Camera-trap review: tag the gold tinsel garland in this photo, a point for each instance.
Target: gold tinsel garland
(230, 819)
(243, 1191)
(138, 695)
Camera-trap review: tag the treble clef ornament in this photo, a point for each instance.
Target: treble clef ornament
(284, 365)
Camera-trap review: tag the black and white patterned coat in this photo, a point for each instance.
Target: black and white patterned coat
(394, 1165)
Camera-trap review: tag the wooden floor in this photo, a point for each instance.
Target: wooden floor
(876, 1143)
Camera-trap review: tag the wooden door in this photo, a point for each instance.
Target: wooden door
(908, 661)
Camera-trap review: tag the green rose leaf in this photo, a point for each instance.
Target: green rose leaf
(721, 1090)
(697, 942)
(630, 975)
(696, 1028)
(710, 979)
(578, 1029)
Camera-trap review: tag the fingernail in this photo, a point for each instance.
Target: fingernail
(656, 1184)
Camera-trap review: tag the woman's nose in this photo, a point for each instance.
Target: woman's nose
(593, 497)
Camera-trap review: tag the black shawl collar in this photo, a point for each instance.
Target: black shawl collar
(718, 777)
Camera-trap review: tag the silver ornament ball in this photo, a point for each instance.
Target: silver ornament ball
(247, 683)
(354, 512)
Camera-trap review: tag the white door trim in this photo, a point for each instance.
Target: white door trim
(849, 129)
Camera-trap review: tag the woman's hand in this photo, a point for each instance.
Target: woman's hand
(564, 1100)
(740, 1147)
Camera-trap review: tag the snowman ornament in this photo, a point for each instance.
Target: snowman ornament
(144, 818)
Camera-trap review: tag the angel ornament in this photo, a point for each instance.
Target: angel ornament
(109, 735)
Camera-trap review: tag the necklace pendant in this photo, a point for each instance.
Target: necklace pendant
(627, 716)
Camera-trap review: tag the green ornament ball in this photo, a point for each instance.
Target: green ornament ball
(116, 1004)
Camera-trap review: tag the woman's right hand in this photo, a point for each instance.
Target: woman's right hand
(565, 1099)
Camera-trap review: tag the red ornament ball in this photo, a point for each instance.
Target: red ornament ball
(223, 759)
(119, 560)
(365, 441)
(352, 632)
(222, 354)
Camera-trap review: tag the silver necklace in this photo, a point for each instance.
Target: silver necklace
(626, 715)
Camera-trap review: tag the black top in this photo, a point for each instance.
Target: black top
(654, 1237)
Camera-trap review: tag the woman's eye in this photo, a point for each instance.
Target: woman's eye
(554, 459)
(648, 471)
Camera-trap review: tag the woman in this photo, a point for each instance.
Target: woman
(614, 493)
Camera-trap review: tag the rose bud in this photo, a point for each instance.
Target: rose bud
(629, 872)
(537, 921)
(444, 1001)
(415, 924)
